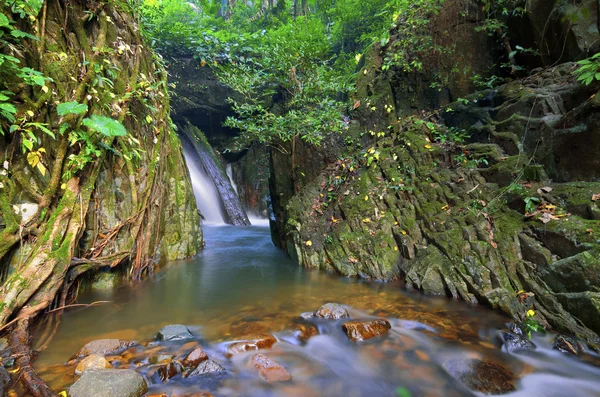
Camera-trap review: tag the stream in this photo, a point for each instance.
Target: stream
(241, 284)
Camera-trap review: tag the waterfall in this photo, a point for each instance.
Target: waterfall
(215, 175)
(230, 175)
(207, 197)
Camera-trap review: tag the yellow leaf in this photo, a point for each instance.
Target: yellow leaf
(44, 88)
(42, 169)
(428, 146)
(520, 292)
(62, 394)
(395, 248)
(366, 220)
(33, 159)
(148, 119)
(308, 243)
(63, 186)
(12, 371)
(403, 232)
(203, 63)
(357, 57)
(444, 208)
(30, 113)
(366, 197)
(365, 71)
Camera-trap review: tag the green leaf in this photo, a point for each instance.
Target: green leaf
(71, 108)
(20, 34)
(105, 125)
(4, 21)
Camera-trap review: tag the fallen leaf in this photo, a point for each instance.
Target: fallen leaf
(308, 243)
(547, 217)
(356, 104)
(589, 230)
(546, 189)
(444, 208)
(427, 146)
(596, 197)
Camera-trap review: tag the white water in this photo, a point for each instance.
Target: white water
(229, 171)
(207, 197)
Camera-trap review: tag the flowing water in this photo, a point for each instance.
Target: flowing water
(205, 191)
(241, 284)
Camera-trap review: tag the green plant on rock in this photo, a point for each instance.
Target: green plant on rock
(588, 70)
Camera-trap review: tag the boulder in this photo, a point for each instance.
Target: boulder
(206, 367)
(567, 345)
(482, 376)
(363, 330)
(168, 370)
(252, 342)
(332, 311)
(104, 347)
(195, 357)
(109, 383)
(93, 361)
(174, 332)
(268, 369)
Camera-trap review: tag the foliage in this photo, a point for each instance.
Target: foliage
(589, 70)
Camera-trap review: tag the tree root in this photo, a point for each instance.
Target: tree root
(20, 344)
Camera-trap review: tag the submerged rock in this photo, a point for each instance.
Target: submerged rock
(109, 383)
(333, 311)
(174, 332)
(104, 347)
(305, 331)
(93, 361)
(567, 345)
(363, 330)
(252, 342)
(206, 367)
(268, 369)
(482, 376)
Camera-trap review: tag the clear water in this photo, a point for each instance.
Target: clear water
(205, 191)
(241, 284)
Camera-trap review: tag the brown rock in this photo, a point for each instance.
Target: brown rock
(332, 311)
(200, 393)
(268, 369)
(252, 342)
(305, 331)
(483, 376)
(363, 330)
(103, 347)
(195, 357)
(93, 361)
(206, 367)
(164, 371)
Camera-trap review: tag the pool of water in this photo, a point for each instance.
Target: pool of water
(242, 284)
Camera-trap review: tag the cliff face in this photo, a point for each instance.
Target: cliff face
(508, 219)
(104, 200)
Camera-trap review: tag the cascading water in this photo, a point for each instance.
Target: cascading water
(207, 197)
(229, 171)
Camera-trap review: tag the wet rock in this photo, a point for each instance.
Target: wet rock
(333, 311)
(174, 332)
(200, 393)
(305, 331)
(109, 383)
(195, 357)
(104, 347)
(482, 376)
(363, 330)
(206, 367)
(252, 342)
(515, 344)
(268, 369)
(169, 370)
(567, 345)
(93, 361)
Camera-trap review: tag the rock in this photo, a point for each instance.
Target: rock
(332, 311)
(206, 367)
(305, 331)
(268, 369)
(169, 370)
(109, 383)
(161, 358)
(195, 357)
(567, 345)
(93, 361)
(103, 347)
(200, 393)
(482, 376)
(174, 332)
(515, 344)
(252, 342)
(4, 380)
(363, 330)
